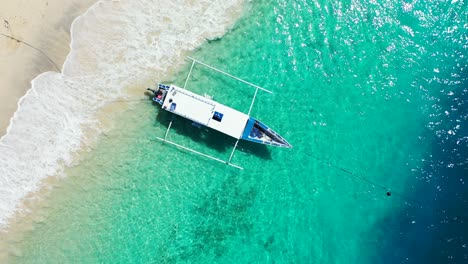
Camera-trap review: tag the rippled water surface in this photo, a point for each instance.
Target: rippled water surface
(371, 94)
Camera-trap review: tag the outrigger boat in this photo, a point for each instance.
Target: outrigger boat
(209, 113)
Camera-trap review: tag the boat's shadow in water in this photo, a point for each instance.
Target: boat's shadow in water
(211, 138)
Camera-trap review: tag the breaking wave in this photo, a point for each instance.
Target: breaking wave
(115, 45)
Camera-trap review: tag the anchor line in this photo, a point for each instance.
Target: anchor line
(388, 190)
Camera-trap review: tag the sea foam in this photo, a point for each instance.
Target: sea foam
(115, 45)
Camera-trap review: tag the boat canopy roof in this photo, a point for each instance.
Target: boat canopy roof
(205, 111)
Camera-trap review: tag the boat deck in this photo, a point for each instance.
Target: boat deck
(205, 111)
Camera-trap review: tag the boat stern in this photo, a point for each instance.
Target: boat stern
(160, 93)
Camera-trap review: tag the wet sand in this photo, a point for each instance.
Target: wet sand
(34, 38)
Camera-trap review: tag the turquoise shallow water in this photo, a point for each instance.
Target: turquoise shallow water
(361, 90)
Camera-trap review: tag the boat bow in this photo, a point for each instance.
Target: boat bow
(258, 132)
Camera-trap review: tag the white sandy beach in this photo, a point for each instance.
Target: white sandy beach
(44, 24)
(116, 46)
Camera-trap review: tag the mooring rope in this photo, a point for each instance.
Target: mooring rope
(25, 43)
(128, 100)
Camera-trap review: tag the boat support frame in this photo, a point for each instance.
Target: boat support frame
(228, 162)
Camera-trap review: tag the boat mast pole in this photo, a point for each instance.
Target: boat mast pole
(191, 68)
(252, 103)
(186, 81)
(167, 131)
(250, 110)
(232, 153)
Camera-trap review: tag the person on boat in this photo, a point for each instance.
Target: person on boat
(159, 94)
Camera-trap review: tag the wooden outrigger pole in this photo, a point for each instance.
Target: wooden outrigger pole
(185, 84)
(230, 75)
(250, 110)
(228, 162)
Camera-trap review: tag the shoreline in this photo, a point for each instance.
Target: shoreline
(49, 38)
(45, 44)
(15, 224)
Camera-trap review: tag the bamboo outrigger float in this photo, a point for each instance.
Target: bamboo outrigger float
(214, 115)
